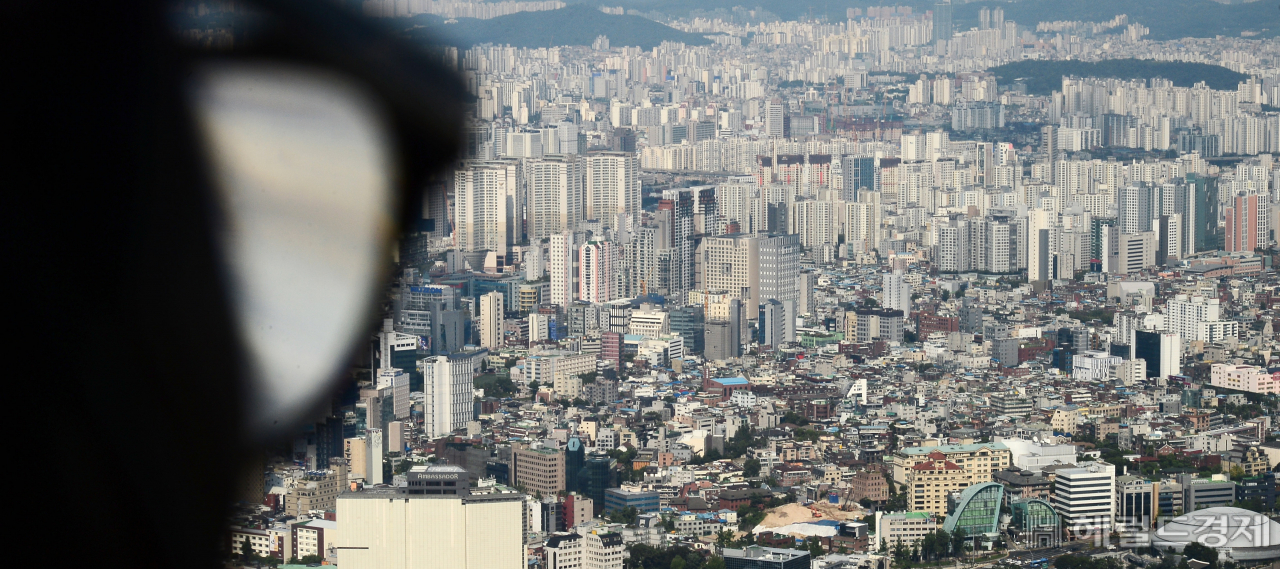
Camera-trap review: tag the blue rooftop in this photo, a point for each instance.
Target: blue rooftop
(731, 380)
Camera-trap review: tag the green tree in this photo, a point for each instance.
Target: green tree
(714, 562)
(1203, 553)
(724, 538)
(865, 502)
(533, 387)
(901, 555)
(957, 541)
(677, 563)
(751, 468)
(815, 548)
(246, 550)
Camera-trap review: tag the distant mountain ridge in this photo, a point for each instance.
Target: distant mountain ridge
(576, 25)
(1043, 77)
(1167, 19)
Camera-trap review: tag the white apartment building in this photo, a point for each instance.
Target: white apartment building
(897, 293)
(554, 193)
(1184, 314)
(485, 205)
(561, 256)
(613, 186)
(907, 527)
(597, 262)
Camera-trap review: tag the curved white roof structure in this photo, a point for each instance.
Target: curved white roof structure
(1239, 534)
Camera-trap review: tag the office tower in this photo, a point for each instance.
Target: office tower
(396, 349)
(779, 265)
(871, 324)
(1205, 229)
(1138, 207)
(487, 200)
(555, 193)
(539, 469)
(1085, 497)
(447, 392)
(432, 313)
(805, 282)
(858, 174)
(942, 30)
(491, 315)
(1171, 239)
(897, 293)
(773, 118)
(1130, 252)
(612, 186)
(567, 133)
(777, 323)
(396, 383)
(675, 213)
(375, 452)
(524, 145)
(689, 323)
(431, 520)
(751, 267)
(561, 258)
(721, 341)
(598, 473)
(597, 261)
(1162, 351)
(1248, 217)
(575, 455)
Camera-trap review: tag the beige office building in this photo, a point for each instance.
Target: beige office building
(539, 470)
(979, 461)
(430, 524)
(317, 490)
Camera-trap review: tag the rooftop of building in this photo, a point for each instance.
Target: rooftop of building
(952, 448)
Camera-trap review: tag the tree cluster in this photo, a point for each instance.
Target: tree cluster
(644, 556)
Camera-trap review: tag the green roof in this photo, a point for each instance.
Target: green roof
(953, 448)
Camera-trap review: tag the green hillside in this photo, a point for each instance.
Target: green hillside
(573, 25)
(1043, 77)
(1167, 19)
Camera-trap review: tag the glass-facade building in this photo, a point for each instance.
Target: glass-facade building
(976, 511)
(1036, 523)
(596, 476)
